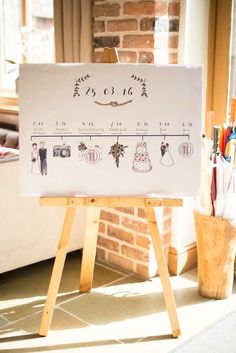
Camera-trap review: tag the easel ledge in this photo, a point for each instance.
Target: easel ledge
(110, 202)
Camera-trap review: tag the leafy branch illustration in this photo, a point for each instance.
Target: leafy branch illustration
(117, 151)
(78, 82)
(143, 84)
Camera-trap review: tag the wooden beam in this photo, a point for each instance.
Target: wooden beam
(110, 202)
(89, 249)
(219, 59)
(163, 271)
(57, 271)
(211, 54)
(110, 56)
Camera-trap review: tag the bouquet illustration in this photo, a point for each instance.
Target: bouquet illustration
(117, 151)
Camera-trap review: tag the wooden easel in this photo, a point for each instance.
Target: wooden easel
(94, 205)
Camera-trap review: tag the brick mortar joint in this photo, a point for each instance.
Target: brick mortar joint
(134, 50)
(134, 261)
(109, 236)
(125, 229)
(137, 234)
(123, 33)
(131, 245)
(134, 17)
(146, 253)
(129, 258)
(124, 1)
(112, 210)
(135, 218)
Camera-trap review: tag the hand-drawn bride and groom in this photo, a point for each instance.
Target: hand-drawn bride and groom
(39, 159)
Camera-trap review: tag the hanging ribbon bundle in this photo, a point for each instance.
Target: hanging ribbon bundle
(218, 194)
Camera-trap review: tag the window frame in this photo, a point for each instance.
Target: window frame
(9, 100)
(219, 53)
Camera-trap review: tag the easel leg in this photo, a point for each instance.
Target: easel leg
(163, 271)
(89, 248)
(57, 271)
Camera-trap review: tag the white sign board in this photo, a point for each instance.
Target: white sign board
(110, 129)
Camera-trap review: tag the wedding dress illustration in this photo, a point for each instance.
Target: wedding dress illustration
(166, 158)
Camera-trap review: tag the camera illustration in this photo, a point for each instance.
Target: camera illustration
(62, 151)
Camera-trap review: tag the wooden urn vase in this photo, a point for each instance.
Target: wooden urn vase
(216, 246)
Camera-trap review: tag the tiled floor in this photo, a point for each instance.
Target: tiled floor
(123, 313)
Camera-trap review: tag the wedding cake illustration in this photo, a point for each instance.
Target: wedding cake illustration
(141, 163)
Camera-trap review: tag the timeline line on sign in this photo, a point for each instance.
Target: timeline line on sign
(112, 135)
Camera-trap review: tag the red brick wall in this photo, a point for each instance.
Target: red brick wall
(143, 32)
(124, 239)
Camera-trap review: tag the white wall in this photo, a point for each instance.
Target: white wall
(183, 229)
(193, 48)
(193, 45)
(193, 31)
